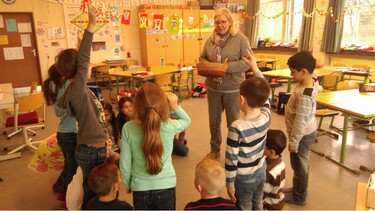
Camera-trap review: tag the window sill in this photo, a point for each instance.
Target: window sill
(262, 48)
(357, 53)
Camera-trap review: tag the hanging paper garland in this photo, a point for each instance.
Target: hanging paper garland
(304, 13)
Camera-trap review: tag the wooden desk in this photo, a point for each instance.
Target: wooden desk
(7, 101)
(353, 72)
(360, 196)
(350, 103)
(268, 61)
(155, 70)
(285, 73)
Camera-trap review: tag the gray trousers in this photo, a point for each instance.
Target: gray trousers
(217, 103)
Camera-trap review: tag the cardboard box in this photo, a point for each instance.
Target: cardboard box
(370, 199)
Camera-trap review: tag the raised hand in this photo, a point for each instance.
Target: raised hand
(93, 14)
(172, 100)
(250, 60)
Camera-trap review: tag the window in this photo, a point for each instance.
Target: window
(359, 21)
(278, 27)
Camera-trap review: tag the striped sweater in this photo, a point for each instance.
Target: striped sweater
(245, 145)
(300, 113)
(273, 198)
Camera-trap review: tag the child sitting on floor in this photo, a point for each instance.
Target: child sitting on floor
(209, 181)
(104, 180)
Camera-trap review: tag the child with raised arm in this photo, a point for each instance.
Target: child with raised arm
(146, 148)
(245, 163)
(209, 181)
(273, 198)
(105, 181)
(80, 102)
(301, 123)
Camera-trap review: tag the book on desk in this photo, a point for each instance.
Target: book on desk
(114, 61)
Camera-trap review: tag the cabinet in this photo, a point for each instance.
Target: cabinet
(197, 27)
(162, 38)
(185, 42)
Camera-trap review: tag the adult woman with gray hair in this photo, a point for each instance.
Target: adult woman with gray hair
(225, 45)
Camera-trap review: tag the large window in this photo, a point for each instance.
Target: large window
(278, 27)
(359, 22)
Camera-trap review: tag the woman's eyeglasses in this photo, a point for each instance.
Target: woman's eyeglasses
(220, 22)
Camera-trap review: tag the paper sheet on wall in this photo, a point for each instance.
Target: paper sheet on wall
(4, 40)
(25, 40)
(1, 21)
(13, 53)
(24, 27)
(11, 25)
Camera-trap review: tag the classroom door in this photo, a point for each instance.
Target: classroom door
(19, 61)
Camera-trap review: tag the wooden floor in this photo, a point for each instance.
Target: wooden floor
(330, 187)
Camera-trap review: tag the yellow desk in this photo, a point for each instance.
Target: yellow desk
(7, 101)
(268, 61)
(350, 103)
(154, 70)
(285, 73)
(360, 196)
(353, 72)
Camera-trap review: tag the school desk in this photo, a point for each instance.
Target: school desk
(7, 101)
(268, 61)
(285, 73)
(350, 103)
(154, 70)
(355, 72)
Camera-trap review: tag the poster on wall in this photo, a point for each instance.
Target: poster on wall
(55, 33)
(98, 46)
(125, 19)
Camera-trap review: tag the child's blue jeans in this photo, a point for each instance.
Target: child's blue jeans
(249, 193)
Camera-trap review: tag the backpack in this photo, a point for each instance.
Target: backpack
(199, 90)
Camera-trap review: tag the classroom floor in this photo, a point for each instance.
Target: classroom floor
(330, 187)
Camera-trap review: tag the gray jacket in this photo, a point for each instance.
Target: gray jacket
(234, 49)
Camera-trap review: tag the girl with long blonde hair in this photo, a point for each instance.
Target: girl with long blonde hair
(147, 143)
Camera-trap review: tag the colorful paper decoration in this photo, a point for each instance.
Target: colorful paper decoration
(83, 5)
(173, 23)
(143, 20)
(126, 17)
(114, 14)
(158, 21)
(82, 20)
(304, 13)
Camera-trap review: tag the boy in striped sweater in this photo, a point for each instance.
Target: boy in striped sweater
(273, 198)
(245, 163)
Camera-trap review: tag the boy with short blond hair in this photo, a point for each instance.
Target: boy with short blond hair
(209, 181)
(301, 123)
(245, 162)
